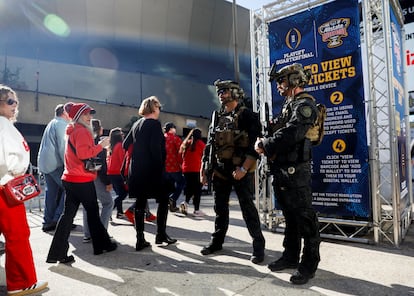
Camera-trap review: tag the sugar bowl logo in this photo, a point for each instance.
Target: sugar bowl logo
(334, 30)
(293, 38)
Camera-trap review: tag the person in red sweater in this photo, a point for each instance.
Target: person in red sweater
(192, 150)
(79, 186)
(114, 162)
(173, 163)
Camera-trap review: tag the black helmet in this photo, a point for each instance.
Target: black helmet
(295, 74)
(236, 91)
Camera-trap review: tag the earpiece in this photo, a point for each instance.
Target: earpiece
(294, 79)
(235, 93)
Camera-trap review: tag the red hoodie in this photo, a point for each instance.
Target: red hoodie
(81, 138)
(115, 160)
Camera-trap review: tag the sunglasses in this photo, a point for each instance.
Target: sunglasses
(222, 91)
(10, 101)
(281, 80)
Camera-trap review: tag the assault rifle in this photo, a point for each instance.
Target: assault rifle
(267, 128)
(211, 145)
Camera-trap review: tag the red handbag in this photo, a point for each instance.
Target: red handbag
(20, 189)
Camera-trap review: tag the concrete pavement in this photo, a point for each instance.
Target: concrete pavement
(180, 270)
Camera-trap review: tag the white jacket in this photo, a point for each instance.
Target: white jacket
(14, 151)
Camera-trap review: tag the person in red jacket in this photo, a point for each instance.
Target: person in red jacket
(114, 161)
(78, 181)
(192, 150)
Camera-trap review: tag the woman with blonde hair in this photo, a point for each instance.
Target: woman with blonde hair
(14, 160)
(146, 174)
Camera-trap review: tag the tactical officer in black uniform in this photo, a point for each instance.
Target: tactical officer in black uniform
(290, 151)
(230, 158)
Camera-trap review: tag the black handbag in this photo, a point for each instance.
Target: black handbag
(92, 164)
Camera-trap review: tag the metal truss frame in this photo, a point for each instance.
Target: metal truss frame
(388, 223)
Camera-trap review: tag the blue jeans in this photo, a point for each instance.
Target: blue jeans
(179, 182)
(105, 197)
(54, 197)
(119, 188)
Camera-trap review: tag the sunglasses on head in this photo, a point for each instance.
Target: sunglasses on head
(10, 101)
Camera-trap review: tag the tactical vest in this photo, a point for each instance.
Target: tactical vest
(316, 131)
(302, 151)
(229, 138)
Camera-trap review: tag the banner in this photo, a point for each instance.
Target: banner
(407, 7)
(399, 100)
(326, 40)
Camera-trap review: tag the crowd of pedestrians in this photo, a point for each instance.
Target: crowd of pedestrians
(83, 167)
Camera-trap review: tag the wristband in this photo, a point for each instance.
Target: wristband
(243, 170)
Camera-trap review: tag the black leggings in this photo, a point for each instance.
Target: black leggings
(193, 188)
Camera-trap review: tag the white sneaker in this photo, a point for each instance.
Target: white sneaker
(199, 213)
(184, 208)
(39, 286)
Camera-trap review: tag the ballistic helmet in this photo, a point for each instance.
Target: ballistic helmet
(294, 73)
(234, 87)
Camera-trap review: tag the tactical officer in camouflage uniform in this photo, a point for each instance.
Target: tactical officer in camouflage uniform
(231, 162)
(290, 152)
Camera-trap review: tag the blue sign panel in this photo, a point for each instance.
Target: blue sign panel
(326, 40)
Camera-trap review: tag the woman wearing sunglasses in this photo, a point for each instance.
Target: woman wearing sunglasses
(21, 276)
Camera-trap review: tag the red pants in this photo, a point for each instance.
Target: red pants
(20, 269)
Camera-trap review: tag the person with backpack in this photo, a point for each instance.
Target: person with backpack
(290, 149)
(146, 171)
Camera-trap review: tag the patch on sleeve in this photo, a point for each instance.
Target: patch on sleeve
(306, 111)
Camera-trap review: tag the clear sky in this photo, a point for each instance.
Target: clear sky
(252, 4)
